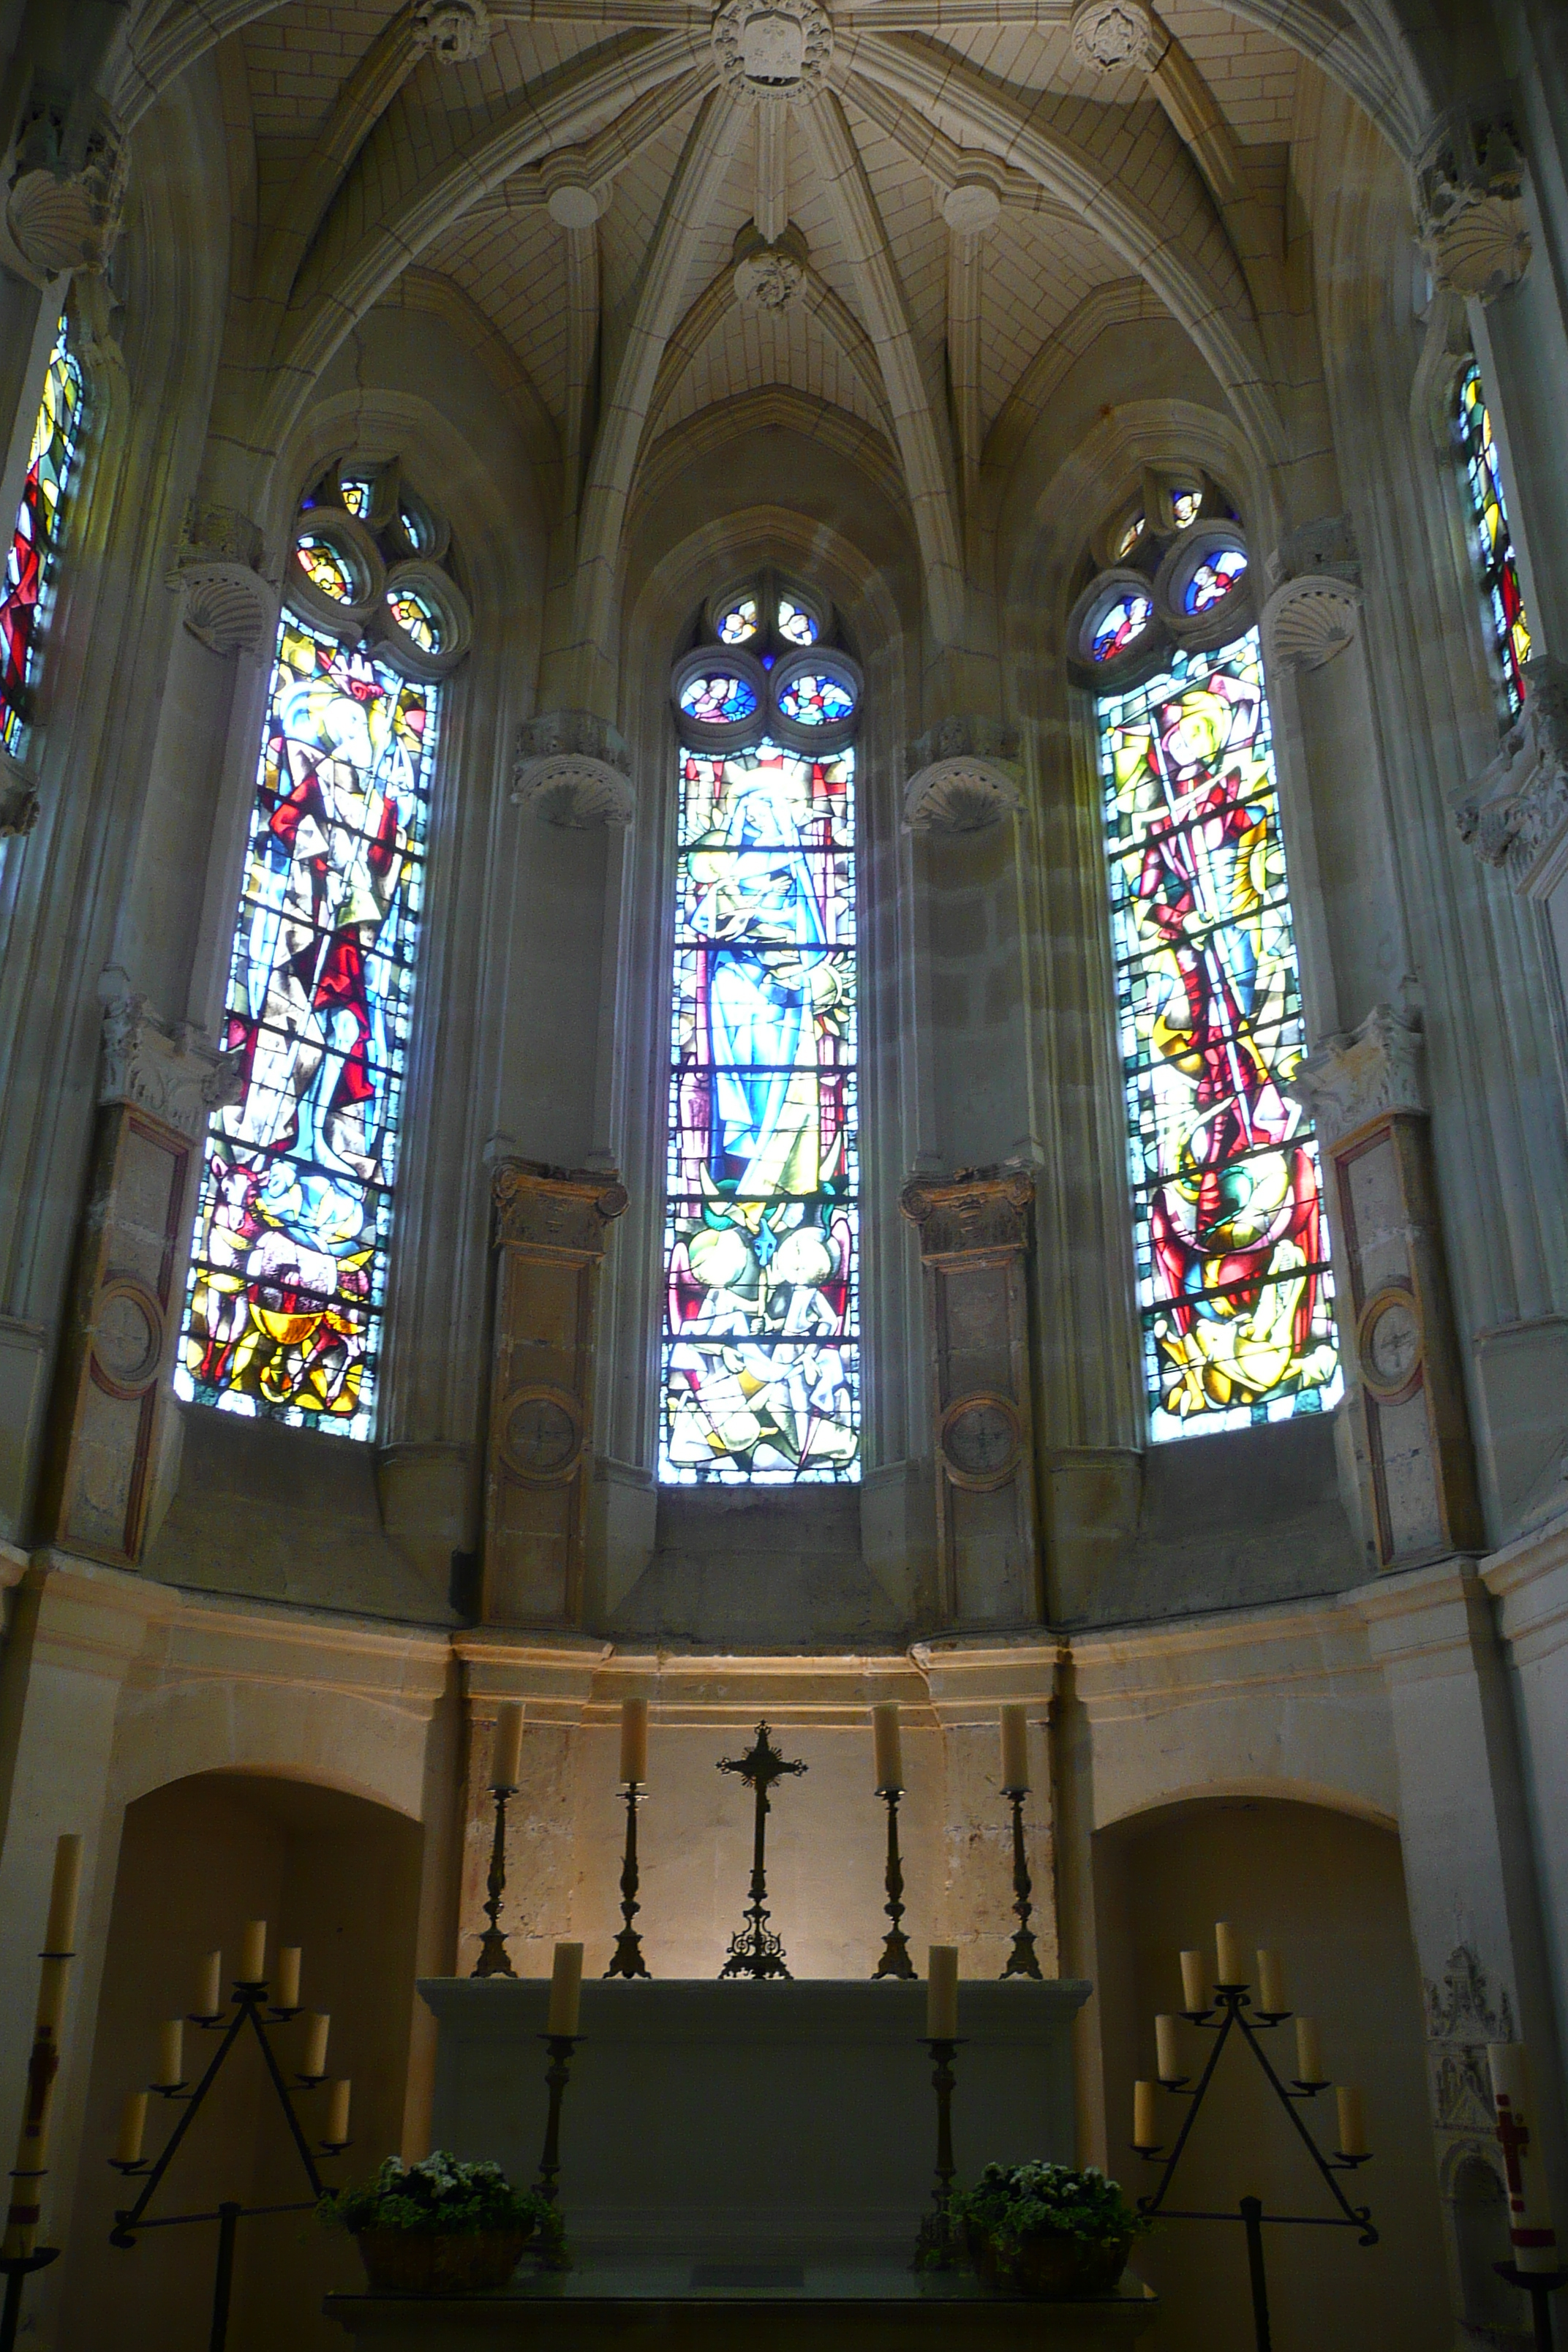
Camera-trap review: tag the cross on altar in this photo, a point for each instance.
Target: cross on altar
(755, 1950)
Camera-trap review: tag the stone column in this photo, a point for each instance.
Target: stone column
(974, 1232)
(550, 1244)
(111, 1393)
(1365, 1091)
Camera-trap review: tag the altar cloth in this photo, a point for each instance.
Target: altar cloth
(725, 2121)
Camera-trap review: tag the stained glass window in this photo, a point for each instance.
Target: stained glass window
(1127, 618)
(720, 699)
(817, 700)
(762, 1361)
(1232, 1254)
(28, 590)
(1493, 540)
(1185, 507)
(796, 624)
(738, 624)
(1213, 579)
(289, 1263)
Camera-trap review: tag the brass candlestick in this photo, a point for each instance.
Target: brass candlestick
(493, 1960)
(935, 2246)
(627, 1960)
(21, 2255)
(557, 2074)
(1022, 1960)
(755, 1950)
(895, 1961)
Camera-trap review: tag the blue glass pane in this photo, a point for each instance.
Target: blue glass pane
(817, 701)
(1213, 579)
(721, 699)
(1126, 619)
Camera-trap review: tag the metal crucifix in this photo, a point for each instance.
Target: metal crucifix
(755, 1950)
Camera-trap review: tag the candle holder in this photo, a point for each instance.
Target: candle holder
(251, 2010)
(16, 2270)
(936, 2247)
(557, 2074)
(1538, 2285)
(895, 1961)
(1229, 2006)
(493, 1960)
(755, 1950)
(1023, 1960)
(627, 1960)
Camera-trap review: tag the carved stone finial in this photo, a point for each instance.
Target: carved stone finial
(770, 276)
(573, 769)
(965, 779)
(1515, 814)
(1361, 1074)
(18, 800)
(454, 31)
(230, 604)
(773, 50)
(169, 1070)
(67, 198)
(1114, 36)
(1470, 208)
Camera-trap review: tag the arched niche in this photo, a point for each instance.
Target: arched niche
(338, 1875)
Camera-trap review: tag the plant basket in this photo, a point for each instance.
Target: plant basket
(430, 2261)
(1055, 2264)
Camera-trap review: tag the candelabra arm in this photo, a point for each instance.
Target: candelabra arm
(1360, 2215)
(125, 2222)
(318, 2186)
(1151, 2205)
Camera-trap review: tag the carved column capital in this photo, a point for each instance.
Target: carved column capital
(561, 1210)
(979, 1208)
(18, 800)
(1362, 1074)
(965, 778)
(229, 603)
(171, 1070)
(67, 197)
(572, 768)
(1469, 193)
(1515, 814)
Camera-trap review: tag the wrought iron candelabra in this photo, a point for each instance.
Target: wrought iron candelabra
(755, 1950)
(1227, 2015)
(1023, 1960)
(895, 1961)
(627, 1960)
(934, 2245)
(493, 1960)
(249, 2002)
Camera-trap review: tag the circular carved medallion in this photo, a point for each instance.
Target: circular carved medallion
(1390, 1345)
(772, 49)
(126, 1338)
(542, 1434)
(981, 1441)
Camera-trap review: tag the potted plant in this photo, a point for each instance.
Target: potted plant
(441, 2227)
(1048, 2229)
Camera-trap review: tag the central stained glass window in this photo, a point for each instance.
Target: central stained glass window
(1234, 1283)
(762, 1358)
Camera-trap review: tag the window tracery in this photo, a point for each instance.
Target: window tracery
(1235, 1289)
(761, 1354)
(1492, 538)
(28, 590)
(288, 1276)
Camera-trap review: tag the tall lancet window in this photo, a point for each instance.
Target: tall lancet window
(288, 1276)
(1232, 1256)
(26, 591)
(762, 1344)
(1497, 566)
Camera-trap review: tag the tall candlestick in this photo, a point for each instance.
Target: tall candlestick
(1353, 2120)
(337, 2130)
(1194, 1986)
(633, 1739)
(1270, 1984)
(59, 1934)
(941, 1992)
(1168, 2058)
(566, 1989)
(1530, 2215)
(171, 2054)
(209, 1985)
(1309, 2052)
(1230, 1953)
(888, 1746)
(253, 1952)
(1015, 1749)
(316, 2032)
(506, 1747)
(1145, 2127)
(286, 1978)
(132, 2128)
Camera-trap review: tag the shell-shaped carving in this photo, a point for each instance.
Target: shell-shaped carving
(1482, 249)
(573, 790)
(228, 606)
(1307, 621)
(961, 795)
(59, 224)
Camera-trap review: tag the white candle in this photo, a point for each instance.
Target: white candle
(1194, 1991)
(1145, 2128)
(888, 1744)
(253, 1952)
(566, 1989)
(941, 1992)
(317, 2028)
(1270, 1984)
(1015, 1749)
(286, 1990)
(209, 1985)
(1309, 2052)
(171, 2052)
(132, 2128)
(506, 1747)
(1229, 1952)
(337, 2130)
(1168, 2060)
(1353, 2120)
(59, 1936)
(1530, 2216)
(633, 1739)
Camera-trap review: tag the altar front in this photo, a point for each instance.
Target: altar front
(708, 2121)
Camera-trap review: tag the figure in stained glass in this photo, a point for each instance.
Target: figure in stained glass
(1232, 1254)
(1495, 561)
(27, 587)
(1123, 621)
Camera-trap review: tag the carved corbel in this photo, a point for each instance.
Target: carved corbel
(1515, 814)
(1468, 195)
(965, 777)
(229, 603)
(1313, 608)
(67, 197)
(573, 769)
